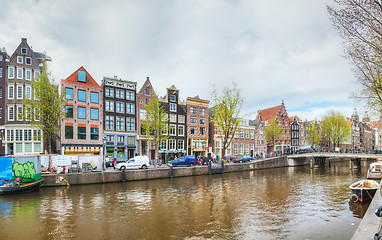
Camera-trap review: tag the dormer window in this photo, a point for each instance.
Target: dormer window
(24, 51)
(81, 76)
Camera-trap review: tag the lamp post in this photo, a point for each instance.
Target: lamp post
(104, 153)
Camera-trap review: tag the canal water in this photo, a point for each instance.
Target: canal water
(282, 203)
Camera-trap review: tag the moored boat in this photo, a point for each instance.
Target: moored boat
(375, 170)
(363, 190)
(21, 188)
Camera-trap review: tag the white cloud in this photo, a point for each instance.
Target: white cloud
(274, 49)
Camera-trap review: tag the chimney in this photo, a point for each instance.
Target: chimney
(23, 40)
(148, 78)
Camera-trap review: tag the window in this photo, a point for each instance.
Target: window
(241, 133)
(28, 92)
(28, 60)
(11, 72)
(130, 108)
(172, 107)
(94, 114)
(1, 58)
(82, 95)
(193, 130)
(130, 95)
(27, 134)
(130, 122)
(252, 135)
(9, 135)
(202, 111)
(81, 132)
(109, 106)
(119, 93)
(19, 92)
(172, 130)
(23, 51)
(69, 93)
(19, 73)
(241, 149)
(246, 149)
(28, 114)
(202, 131)
(109, 122)
(147, 101)
(28, 147)
(147, 91)
(109, 92)
(163, 145)
(202, 120)
(19, 135)
(36, 114)
(19, 113)
(142, 114)
(11, 92)
(121, 139)
(81, 76)
(1, 112)
(120, 107)
(94, 133)
(181, 118)
(246, 134)
(109, 138)
(193, 119)
(37, 147)
(180, 130)
(120, 124)
(68, 132)
(94, 97)
(172, 117)
(180, 144)
(173, 98)
(82, 112)
(1, 70)
(20, 59)
(193, 110)
(36, 74)
(171, 144)
(203, 144)
(195, 143)
(235, 149)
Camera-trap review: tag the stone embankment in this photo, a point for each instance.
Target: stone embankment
(155, 173)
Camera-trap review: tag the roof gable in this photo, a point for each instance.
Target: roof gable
(73, 79)
(270, 113)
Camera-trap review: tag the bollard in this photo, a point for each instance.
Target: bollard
(209, 167)
(311, 163)
(123, 175)
(171, 172)
(350, 165)
(222, 166)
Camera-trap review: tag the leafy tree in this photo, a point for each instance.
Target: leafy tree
(335, 127)
(47, 109)
(272, 132)
(225, 113)
(314, 136)
(156, 124)
(359, 24)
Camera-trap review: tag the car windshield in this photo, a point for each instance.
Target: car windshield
(131, 161)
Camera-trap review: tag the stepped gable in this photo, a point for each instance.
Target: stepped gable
(270, 113)
(90, 82)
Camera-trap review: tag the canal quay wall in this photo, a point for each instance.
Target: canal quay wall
(108, 176)
(370, 222)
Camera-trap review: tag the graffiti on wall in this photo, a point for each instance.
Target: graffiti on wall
(24, 170)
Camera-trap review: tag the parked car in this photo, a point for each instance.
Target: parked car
(183, 161)
(242, 159)
(304, 149)
(135, 162)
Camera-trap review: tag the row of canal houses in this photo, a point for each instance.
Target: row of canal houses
(107, 118)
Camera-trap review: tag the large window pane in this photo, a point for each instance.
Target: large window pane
(69, 93)
(94, 133)
(81, 132)
(82, 95)
(94, 97)
(69, 111)
(81, 112)
(94, 113)
(69, 132)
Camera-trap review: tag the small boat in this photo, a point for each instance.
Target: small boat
(15, 188)
(363, 190)
(375, 170)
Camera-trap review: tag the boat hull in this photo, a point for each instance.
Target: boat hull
(363, 190)
(23, 188)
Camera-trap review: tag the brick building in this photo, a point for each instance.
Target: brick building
(244, 140)
(82, 129)
(119, 100)
(197, 126)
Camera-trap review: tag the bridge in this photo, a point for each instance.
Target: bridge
(319, 158)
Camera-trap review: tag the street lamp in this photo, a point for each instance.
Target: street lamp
(104, 153)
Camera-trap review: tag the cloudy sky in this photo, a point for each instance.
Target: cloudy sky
(275, 50)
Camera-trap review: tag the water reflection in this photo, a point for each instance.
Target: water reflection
(294, 203)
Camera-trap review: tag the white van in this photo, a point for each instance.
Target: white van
(135, 162)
